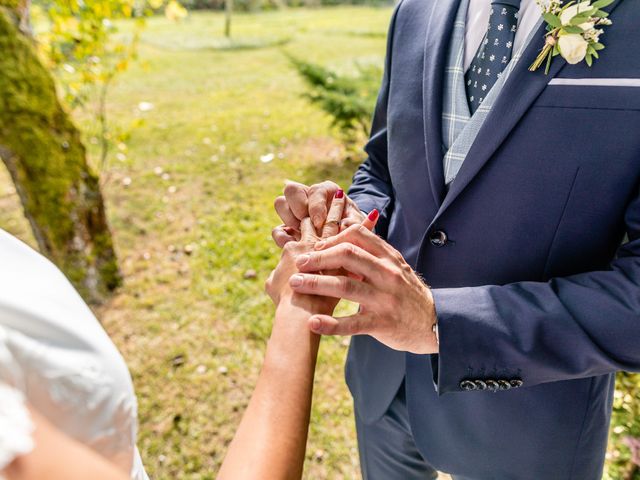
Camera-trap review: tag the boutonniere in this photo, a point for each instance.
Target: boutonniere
(573, 31)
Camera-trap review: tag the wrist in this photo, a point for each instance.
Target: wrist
(284, 298)
(291, 317)
(433, 332)
(309, 304)
(291, 340)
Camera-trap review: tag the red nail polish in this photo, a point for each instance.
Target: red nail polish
(340, 193)
(373, 215)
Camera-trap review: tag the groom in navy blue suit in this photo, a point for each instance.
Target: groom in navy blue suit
(521, 211)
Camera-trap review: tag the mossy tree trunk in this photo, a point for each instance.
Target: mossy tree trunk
(43, 151)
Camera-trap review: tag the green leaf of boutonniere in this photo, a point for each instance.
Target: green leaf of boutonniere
(552, 20)
(583, 17)
(602, 3)
(572, 29)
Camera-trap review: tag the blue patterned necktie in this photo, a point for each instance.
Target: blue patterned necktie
(494, 52)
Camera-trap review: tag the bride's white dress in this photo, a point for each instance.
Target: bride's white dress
(55, 355)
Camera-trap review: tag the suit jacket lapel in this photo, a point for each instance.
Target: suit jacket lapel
(438, 37)
(520, 90)
(518, 94)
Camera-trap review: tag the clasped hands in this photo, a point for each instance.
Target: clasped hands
(329, 253)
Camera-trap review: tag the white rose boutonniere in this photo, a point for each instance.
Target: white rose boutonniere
(573, 31)
(573, 47)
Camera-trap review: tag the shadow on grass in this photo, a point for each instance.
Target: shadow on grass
(225, 44)
(357, 33)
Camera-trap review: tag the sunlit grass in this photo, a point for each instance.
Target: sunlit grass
(192, 227)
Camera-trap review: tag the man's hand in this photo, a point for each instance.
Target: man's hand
(300, 201)
(396, 307)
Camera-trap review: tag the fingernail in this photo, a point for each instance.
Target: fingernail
(319, 245)
(340, 193)
(317, 221)
(373, 215)
(315, 323)
(302, 259)
(296, 280)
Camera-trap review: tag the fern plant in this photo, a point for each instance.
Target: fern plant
(349, 100)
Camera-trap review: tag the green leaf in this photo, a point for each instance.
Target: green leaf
(588, 59)
(602, 3)
(583, 17)
(598, 46)
(601, 14)
(552, 20)
(595, 54)
(571, 29)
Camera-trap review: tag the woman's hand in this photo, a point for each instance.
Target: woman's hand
(277, 286)
(300, 201)
(270, 442)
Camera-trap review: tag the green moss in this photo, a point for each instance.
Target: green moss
(47, 161)
(9, 3)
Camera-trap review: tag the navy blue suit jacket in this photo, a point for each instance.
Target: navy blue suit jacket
(533, 283)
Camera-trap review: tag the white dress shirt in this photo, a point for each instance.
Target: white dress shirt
(478, 20)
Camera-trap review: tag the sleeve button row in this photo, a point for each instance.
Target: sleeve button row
(491, 385)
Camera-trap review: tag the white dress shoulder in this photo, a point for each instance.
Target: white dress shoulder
(55, 354)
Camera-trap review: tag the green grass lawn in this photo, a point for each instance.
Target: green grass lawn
(197, 216)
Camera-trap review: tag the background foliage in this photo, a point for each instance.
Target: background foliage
(80, 43)
(253, 5)
(349, 100)
(624, 451)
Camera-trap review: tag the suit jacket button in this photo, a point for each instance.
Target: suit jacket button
(438, 238)
(504, 385)
(480, 385)
(492, 385)
(467, 385)
(516, 383)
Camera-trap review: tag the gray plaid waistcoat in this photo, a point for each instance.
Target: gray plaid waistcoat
(459, 128)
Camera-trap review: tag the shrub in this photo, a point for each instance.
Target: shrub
(624, 461)
(349, 100)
